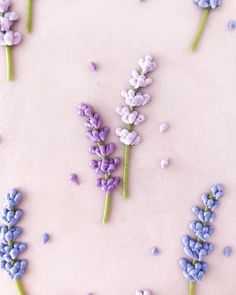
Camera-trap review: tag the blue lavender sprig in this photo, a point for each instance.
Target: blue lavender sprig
(105, 165)
(198, 248)
(10, 249)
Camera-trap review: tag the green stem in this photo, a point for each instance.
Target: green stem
(201, 28)
(107, 208)
(9, 63)
(192, 286)
(29, 15)
(20, 287)
(126, 171)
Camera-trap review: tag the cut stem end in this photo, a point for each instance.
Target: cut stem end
(107, 208)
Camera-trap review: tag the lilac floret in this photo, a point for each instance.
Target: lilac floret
(217, 191)
(201, 230)
(5, 5)
(193, 272)
(108, 185)
(195, 249)
(212, 4)
(103, 167)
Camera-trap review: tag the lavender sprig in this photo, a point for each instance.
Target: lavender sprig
(198, 248)
(206, 6)
(134, 99)
(10, 249)
(8, 38)
(105, 165)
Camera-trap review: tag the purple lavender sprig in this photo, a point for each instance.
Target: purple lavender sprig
(207, 6)
(198, 248)
(10, 249)
(8, 38)
(105, 165)
(134, 99)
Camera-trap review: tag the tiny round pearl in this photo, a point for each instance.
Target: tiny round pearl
(164, 163)
(228, 251)
(163, 127)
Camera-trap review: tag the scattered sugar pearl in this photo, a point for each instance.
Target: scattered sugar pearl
(74, 178)
(144, 292)
(164, 163)
(45, 238)
(228, 251)
(93, 66)
(231, 25)
(163, 127)
(155, 251)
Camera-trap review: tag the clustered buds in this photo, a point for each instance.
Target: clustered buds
(9, 248)
(105, 166)
(213, 4)
(199, 248)
(7, 19)
(134, 98)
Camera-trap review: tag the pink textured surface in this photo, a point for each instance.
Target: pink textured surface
(42, 142)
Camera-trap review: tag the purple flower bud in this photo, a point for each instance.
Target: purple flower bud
(5, 5)
(85, 110)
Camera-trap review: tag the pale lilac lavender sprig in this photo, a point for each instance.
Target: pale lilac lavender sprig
(8, 37)
(198, 248)
(104, 166)
(207, 6)
(10, 248)
(134, 99)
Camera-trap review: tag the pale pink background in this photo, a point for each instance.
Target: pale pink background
(43, 141)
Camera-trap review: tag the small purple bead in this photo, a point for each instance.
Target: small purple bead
(155, 251)
(45, 238)
(231, 25)
(74, 178)
(93, 66)
(228, 251)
